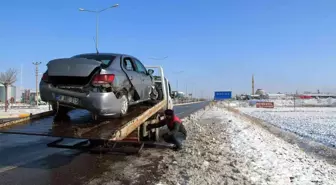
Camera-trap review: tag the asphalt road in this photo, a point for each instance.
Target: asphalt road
(27, 159)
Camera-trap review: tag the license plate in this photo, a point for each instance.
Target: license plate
(68, 99)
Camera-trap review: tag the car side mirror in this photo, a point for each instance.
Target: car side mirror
(150, 71)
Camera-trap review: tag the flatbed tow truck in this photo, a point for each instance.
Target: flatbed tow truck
(122, 135)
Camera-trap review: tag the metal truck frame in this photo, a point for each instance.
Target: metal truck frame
(130, 130)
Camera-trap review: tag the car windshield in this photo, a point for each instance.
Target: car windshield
(106, 60)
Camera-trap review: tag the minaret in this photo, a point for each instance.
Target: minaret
(252, 84)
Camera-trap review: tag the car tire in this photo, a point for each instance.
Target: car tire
(124, 105)
(160, 92)
(154, 94)
(159, 98)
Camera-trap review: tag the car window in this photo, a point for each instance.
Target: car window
(105, 60)
(128, 64)
(140, 67)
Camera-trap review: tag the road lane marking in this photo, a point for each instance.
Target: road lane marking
(7, 168)
(179, 113)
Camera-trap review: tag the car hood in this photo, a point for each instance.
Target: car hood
(79, 67)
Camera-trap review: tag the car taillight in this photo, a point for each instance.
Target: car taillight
(103, 79)
(45, 77)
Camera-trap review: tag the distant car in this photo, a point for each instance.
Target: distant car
(105, 84)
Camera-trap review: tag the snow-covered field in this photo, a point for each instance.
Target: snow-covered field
(223, 148)
(328, 102)
(318, 124)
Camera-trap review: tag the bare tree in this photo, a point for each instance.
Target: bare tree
(8, 78)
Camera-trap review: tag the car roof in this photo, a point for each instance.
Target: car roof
(107, 54)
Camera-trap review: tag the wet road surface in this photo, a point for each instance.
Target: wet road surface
(27, 159)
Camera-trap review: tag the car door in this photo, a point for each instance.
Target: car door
(135, 78)
(145, 77)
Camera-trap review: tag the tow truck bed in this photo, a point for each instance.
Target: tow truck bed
(112, 129)
(130, 127)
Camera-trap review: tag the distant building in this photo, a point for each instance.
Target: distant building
(11, 93)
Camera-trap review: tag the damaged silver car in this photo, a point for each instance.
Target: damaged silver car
(105, 84)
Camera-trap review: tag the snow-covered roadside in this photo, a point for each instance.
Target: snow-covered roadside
(206, 157)
(223, 148)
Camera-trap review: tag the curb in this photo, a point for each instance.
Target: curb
(23, 115)
(26, 118)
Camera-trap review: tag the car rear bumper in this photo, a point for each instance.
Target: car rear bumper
(103, 104)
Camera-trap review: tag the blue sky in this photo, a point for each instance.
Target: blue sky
(288, 45)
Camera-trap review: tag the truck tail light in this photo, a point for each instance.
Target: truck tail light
(102, 79)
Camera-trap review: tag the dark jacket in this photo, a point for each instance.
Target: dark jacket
(174, 125)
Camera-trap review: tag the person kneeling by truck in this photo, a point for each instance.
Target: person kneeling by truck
(177, 133)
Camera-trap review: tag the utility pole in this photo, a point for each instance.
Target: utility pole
(36, 73)
(176, 73)
(187, 90)
(253, 84)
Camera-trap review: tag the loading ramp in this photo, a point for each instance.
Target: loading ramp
(107, 136)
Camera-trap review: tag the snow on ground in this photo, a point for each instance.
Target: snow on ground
(327, 102)
(17, 111)
(318, 124)
(223, 148)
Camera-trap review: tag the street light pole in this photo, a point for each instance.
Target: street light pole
(97, 12)
(177, 72)
(97, 20)
(36, 74)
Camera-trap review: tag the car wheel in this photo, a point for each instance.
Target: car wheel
(159, 92)
(123, 105)
(154, 93)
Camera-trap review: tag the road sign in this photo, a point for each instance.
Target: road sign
(265, 104)
(223, 95)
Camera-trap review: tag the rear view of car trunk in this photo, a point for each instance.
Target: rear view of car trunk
(72, 71)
